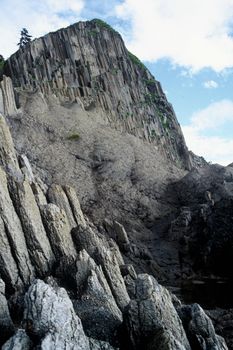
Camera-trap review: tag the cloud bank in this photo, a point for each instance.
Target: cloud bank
(217, 117)
(194, 34)
(39, 17)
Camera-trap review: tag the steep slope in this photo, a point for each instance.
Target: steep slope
(88, 119)
(89, 63)
(89, 299)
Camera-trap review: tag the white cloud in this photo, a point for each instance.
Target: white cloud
(39, 17)
(218, 116)
(194, 34)
(210, 84)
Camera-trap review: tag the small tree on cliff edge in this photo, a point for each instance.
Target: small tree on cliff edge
(25, 38)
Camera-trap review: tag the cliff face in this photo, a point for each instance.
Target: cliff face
(89, 63)
(96, 204)
(65, 285)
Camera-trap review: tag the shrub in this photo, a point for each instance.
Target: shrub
(135, 60)
(73, 137)
(100, 23)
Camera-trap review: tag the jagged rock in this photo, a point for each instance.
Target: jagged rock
(75, 206)
(74, 73)
(98, 249)
(37, 241)
(200, 329)
(97, 309)
(14, 232)
(38, 193)
(49, 316)
(6, 324)
(100, 345)
(151, 319)
(8, 96)
(121, 236)
(26, 168)
(8, 267)
(7, 152)
(59, 231)
(57, 196)
(20, 341)
(96, 301)
(223, 323)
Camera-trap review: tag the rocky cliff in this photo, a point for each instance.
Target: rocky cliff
(96, 210)
(88, 63)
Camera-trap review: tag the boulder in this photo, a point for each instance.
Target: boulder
(50, 318)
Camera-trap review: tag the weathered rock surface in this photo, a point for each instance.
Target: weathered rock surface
(50, 317)
(151, 319)
(37, 241)
(59, 231)
(94, 76)
(92, 117)
(200, 329)
(14, 232)
(20, 341)
(98, 248)
(6, 324)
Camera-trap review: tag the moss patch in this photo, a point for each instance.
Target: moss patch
(73, 137)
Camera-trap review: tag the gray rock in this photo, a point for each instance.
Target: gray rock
(96, 307)
(100, 345)
(8, 96)
(15, 232)
(6, 324)
(8, 267)
(200, 329)
(121, 235)
(59, 231)
(49, 315)
(7, 152)
(151, 319)
(99, 249)
(57, 196)
(75, 206)
(38, 244)
(26, 168)
(20, 341)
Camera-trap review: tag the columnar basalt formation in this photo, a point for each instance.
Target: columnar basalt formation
(73, 281)
(89, 63)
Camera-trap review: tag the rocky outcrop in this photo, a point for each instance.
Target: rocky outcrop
(20, 341)
(49, 317)
(89, 63)
(151, 319)
(200, 329)
(6, 324)
(91, 115)
(7, 97)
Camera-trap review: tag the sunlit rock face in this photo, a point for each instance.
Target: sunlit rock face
(89, 63)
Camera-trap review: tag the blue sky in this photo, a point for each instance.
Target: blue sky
(187, 45)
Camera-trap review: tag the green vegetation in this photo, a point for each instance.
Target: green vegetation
(100, 23)
(114, 71)
(150, 98)
(150, 82)
(2, 63)
(73, 137)
(153, 134)
(93, 32)
(135, 60)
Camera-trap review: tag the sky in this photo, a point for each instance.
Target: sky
(186, 44)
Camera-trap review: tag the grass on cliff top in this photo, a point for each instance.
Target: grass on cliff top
(2, 63)
(100, 23)
(135, 60)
